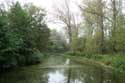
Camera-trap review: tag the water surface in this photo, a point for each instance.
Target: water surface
(57, 69)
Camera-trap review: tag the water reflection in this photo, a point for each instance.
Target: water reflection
(65, 71)
(67, 61)
(56, 77)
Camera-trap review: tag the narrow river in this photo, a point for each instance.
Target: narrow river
(58, 69)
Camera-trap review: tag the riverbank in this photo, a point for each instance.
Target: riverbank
(116, 62)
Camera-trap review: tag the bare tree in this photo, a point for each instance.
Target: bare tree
(96, 10)
(65, 15)
(101, 25)
(114, 23)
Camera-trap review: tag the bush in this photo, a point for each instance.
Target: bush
(70, 53)
(34, 58)
(21, 37)
(116, 61)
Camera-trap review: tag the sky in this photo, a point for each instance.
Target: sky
(49, 5)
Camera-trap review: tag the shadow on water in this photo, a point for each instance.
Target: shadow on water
(57, 69)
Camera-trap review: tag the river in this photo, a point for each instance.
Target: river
(58, 69)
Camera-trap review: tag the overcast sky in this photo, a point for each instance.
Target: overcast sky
(48, 5)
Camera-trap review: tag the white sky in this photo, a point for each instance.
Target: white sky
(48, 5)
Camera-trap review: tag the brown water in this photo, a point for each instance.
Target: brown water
(57, 69)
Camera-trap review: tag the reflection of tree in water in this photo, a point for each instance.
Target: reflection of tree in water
(37, 76)
(40, 77)
(111, 76)
(50, 61)
(83, 74)
(24, 76)
(90, 75)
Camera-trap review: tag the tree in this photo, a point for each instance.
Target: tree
(103, 30)
(23, 35)
(94, 18)
(69, 19)
(57, 42)
(3, 38)
(40, 30)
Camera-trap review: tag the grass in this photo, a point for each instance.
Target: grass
(115, 61)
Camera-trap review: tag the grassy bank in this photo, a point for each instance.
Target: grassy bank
(113, 61)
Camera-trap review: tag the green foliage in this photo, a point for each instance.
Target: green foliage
(22, 36)
(40, 31)
(107, 36)
(115, 61)
(57, 42)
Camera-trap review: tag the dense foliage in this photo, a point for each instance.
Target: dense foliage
(103, 27)
(23, 35)
(116, 62)
(57, 42)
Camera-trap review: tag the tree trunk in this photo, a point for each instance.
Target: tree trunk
(101, 25)
(114, 25)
